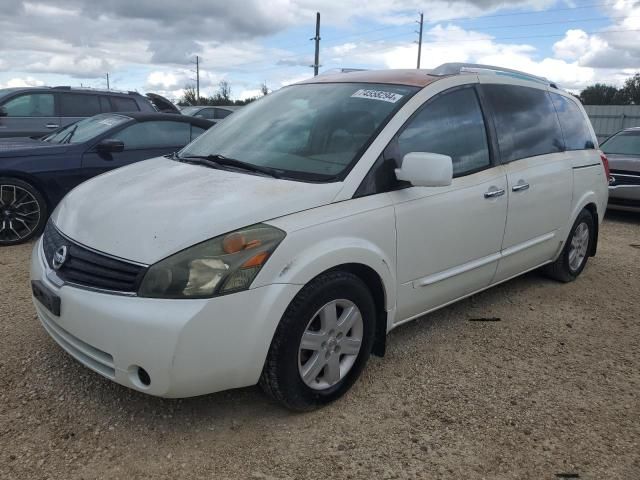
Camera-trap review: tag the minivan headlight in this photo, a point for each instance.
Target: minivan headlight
(222, 265)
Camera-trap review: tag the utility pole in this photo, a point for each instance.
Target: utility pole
(197, 72)
(197, 79)
(107, 80)
(316, 63)
(420, 39)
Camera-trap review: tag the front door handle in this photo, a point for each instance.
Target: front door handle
(520, 186)
(52, 125)
(494, 192)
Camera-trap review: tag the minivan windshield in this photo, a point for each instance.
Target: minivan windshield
(312, 132)
(86, 129)
(624, 143)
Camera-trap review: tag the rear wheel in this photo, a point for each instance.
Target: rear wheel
(576, 251)
(322, 342)
(23, 211)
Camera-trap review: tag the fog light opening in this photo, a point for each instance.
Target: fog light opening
(143, 377)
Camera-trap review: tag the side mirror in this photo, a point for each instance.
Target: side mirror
(3, 112)
(110, 145)
(423, 169)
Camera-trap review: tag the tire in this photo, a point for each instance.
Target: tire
(23, 211)
(310, 314)
(575, 253)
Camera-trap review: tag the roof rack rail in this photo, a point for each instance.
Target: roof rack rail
(455, 68)
(332, 71)
(91, 89)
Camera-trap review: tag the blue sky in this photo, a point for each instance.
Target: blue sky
(148, 45)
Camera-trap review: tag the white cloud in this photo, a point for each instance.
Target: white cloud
(450, 43)
(155, 42)
(22, 82)
(171, 79)
(249, 94)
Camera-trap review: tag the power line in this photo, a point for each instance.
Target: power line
(361, 35)
(528, 12)
(595, 32)
(517, 25)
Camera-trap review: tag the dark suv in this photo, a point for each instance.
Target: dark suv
(33, 112)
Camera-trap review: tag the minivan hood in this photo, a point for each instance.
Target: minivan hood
(151, 209)
(22, 147)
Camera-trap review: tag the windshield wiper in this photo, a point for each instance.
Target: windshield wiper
(218, 160)
(68, 135)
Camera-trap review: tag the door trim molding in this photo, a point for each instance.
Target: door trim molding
(397, 323)
(452, 272)
(481, 262)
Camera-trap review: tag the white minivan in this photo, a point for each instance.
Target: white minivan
(283, 245)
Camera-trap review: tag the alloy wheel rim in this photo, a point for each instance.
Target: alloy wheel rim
(330, 344)
(578, 247)
(19, 213)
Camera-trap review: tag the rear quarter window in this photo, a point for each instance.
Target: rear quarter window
(122, 104)
(574, 124)
(525, 120)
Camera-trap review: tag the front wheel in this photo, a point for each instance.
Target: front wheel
(23, 211)
(576, 251)
(322, 342)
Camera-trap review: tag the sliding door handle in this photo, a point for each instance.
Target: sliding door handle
(494, 192)
(520, 186)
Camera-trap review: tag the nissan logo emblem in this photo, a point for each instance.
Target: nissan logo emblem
(59, 257)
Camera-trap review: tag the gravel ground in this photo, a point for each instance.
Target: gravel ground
(550, 391)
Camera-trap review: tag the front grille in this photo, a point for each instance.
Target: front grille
(624, 178)
(88, 268)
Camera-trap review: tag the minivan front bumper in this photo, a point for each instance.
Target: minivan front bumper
(186, 347)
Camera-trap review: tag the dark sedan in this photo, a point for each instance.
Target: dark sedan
(623, 151)
(36, 174)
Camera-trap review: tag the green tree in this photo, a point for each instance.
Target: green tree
(600, 94)
(188, 97)
(631, 90)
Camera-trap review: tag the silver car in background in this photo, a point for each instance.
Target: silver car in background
(623, 151)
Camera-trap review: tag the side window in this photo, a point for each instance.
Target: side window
(122, 104)
(78, 105)
(155, 135)
(526, 121)
(451, 124)
(207, 113)
(221, 113)
(30, 105)
(196, 132)
(574, 127)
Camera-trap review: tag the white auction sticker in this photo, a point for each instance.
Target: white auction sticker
(377, 95)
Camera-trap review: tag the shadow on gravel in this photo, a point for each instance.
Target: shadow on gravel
(622, 217)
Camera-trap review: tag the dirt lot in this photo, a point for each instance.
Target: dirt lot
(552, 389)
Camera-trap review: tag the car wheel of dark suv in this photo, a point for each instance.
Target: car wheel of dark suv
(23, 211)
